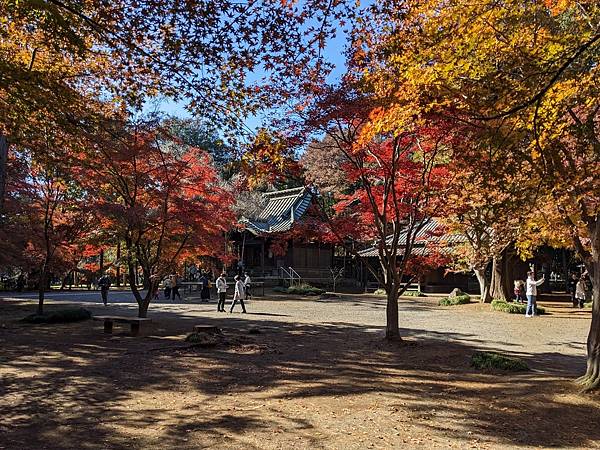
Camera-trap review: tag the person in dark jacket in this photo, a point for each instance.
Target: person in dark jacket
(205, 291)
(104, 285)
(571, 286)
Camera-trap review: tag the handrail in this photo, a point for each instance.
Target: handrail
(290, 274)
(294, 272)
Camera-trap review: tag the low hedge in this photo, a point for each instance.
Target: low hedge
(60, 316)
(305, 289)
(301, 289)
(405, 294)
(458, 300)
(491, 361)
(514, 308)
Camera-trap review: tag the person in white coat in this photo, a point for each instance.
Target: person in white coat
(221, 284)
(580, 292)
(248, 285)
(238, 294)
(531, 293)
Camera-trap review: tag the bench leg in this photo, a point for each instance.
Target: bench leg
(135, 328)
(108, 326)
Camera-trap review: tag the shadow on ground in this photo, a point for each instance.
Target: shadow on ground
(71, 386)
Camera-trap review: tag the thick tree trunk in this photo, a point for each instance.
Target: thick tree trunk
(508, 272)
(498, 284)
(484, 285)
(591, 379)
(392, 332)
(143, 308)
(496, 290)
(145, 303)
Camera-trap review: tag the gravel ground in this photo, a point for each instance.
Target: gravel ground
(295, 373)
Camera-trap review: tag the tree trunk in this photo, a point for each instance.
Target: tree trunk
(42, 289)
(3, 170)
(119, 264)
(143, 308)
(65, 280)
(142, 305)
(484, 285)
(496, 291)
(498, 284)
(508, 272)
(591, 379)
(392, 332)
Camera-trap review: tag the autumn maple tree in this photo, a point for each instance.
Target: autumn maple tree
(396, 180)
(527, 71)
(492, 199)
(49, 202)
(162, 206)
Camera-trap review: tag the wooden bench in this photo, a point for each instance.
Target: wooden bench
(135, 323)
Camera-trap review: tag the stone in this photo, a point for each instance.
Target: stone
(456, 292)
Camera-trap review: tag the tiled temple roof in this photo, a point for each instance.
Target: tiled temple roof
(282, 210)
(431, 236)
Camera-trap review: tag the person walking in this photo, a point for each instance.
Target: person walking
(104, 284)
(174, 286)
(580, 293)
(571, 286)
(221, 292)
(248, 285)
(239, 294)
(531, 293)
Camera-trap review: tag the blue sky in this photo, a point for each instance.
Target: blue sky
(334, 53)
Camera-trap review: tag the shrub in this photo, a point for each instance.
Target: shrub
(491, 360)
(301, 289)
(588, 304)
(413, 294)
(514, 308)
(381, 291)
(458, 300)
(305, 289)
(60, 316)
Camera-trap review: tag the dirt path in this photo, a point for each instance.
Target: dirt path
(316, 376)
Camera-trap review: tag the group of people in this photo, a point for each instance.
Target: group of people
(241, 292)
(171, 286)
(580, 289)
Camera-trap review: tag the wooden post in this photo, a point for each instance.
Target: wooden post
(262, 256)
